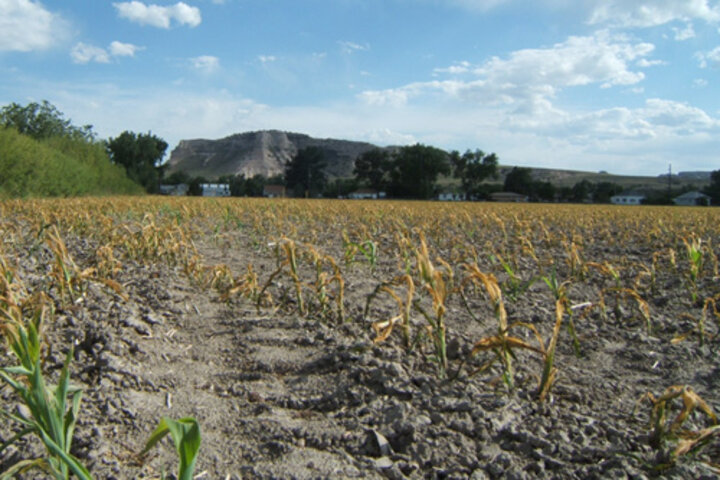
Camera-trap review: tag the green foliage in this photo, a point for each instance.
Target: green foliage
(140, 155)
(305, 173)
(42, 120)
(519, 180)
(415, 170)
(185, 433)
(50, 413)
(57, 166)
(372, 168)
(472, 168)
(714, 188)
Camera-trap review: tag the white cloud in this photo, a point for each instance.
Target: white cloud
(205, 63)
(700, 83)
(159, 16)
(266, 58)
(352, 47)
(119, 49)
(528, 79)
(84, 53)
(649, 13)
(684, 33)
(711, 58)
(27, 26)
(456, 69)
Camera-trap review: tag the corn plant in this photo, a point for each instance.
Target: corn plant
(665, 433)
(502, 344)
(68, 277)
(185, 433)
(694, 255)
(48, 412)
(514, 287)
(384, 328)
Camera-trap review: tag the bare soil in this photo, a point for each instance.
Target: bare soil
(280, 395)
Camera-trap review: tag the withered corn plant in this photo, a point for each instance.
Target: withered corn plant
(502, 343)
(668, 437)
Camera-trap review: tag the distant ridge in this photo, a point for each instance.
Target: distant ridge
(265, 152)
(262, 152)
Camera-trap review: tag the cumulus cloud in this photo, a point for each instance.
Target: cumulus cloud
(119, 49)
(84, 53)
(27, 26)
(529, 78)
(205, 63)
(709, 59)
(684, 33)
(159, 16)
(650, 13)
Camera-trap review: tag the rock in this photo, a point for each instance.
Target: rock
(376, 445)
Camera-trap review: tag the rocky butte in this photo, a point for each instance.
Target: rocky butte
(260, 153)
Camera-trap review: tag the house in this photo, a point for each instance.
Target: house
(692, 199)
(628, 198)
(215, 189)
(452, 197)
(274, 191)
(366, 194)
(508, 197)
(175, 190)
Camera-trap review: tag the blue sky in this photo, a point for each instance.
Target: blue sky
(627, 86)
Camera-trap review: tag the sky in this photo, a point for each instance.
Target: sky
(625, 86)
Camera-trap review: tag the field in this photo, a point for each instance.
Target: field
(341, 339)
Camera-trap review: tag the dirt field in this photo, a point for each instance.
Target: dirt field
(280, 366)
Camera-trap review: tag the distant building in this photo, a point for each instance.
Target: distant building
(175, 190)
(452, 197)
(508, 197)
(366, 194)
(628, 198)
(215, 189)
(691, 199)
(274, 191)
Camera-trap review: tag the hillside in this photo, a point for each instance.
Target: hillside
(266, 152)
(262, 152)
(57, 167)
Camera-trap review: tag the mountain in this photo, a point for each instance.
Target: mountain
(263, 152)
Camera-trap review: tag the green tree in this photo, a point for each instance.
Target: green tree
(415, 170)
(194, 188)
(305, 173)
(519, 180)
(42, 121)
(713, 190)
(544, 191)
(141, 155)
(472, 168)
(581, 191)
(603, 191)
(372, 168)
(176, 178)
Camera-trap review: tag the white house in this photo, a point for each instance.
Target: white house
(691, 199)
(215, 189)
(627, 198)
(175, 190)
(452, 197)
(366, 194)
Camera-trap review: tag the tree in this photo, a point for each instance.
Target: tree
(581, 191)
(603, 191)
(372, 168)
(141, 155)
(472, 168)
(713, 190)
(519, 180)
(415, 170)
(305, 173)
(41, 121)
(194, 188)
